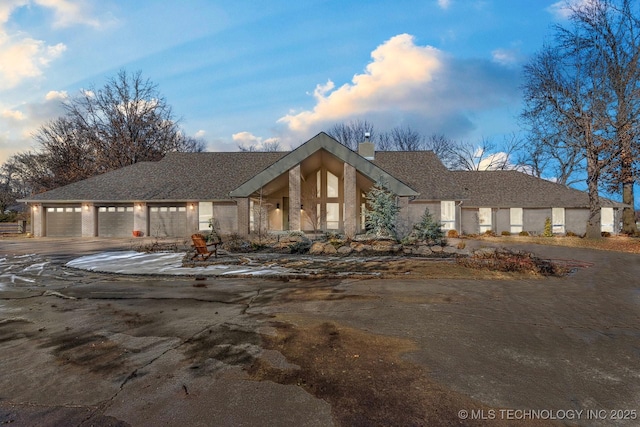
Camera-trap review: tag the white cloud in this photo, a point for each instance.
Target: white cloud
(56, 94)
(561, 10)
(200, 134)
(398, 69)
(24, 58)
(505, 56)
(13, 114)
(68, 13)
(19, 124)
(247, 139)
(444, 4)
(409, 84)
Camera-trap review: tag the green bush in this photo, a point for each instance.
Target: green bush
(429, 230)
(506, 233)
(524, 233)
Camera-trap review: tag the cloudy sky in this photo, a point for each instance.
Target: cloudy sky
(246, 71)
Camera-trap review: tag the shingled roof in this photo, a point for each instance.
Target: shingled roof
(421, 170)
(516, 189)
(179, 177)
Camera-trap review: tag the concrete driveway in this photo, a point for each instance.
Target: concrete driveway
(80, 348)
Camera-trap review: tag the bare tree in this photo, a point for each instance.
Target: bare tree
(442, 147)
(550, 150)
(486, 156)
(566, 86)
(588, 81)
(268, 146)
(352, 133)
(402, 138)
(125, 122)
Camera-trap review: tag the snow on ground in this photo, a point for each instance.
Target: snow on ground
(164, 263)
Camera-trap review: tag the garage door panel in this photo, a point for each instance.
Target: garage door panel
(168, 221)
(115, 221)
(64, 222)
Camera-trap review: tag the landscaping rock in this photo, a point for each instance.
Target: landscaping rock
(329, 249)
(316, 248)
(360, 247)
(345, 250)
(436, 249)
(449, 250)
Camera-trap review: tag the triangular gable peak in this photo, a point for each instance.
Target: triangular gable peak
(319, 142)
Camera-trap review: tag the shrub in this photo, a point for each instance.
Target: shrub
(382, 210)
(523, 233)
(461, 245)
(506, 233)
(452, 234)
(301, 247)
(605, 234)
(571, 234)
(548, 228)
(490, 233)
(512, 261)
(429, 230)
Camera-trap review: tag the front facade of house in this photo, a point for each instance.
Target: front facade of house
(320, 186)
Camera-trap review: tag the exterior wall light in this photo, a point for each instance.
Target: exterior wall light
(278, 206)
(35, 209)
(191, 206)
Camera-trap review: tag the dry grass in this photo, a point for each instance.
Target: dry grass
(614, 243)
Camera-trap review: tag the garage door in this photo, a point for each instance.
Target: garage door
(115, 221)
(64, 222)
(168, 221)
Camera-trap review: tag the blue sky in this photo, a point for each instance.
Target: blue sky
(247, 71)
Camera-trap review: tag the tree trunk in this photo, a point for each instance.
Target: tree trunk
(628, 214)
(593, 174)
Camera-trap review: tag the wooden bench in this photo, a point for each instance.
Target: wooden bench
(202, 247)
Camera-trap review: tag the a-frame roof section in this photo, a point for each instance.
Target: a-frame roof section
(318, 142)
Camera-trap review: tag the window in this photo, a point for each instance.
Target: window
(606, 220)
(557, 220)
(332, 185)
(205, 213)
(333, 216)
(516, 215)
(484, 218)
(448, 215)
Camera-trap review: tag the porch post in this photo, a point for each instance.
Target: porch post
(243, 216)
(141, 218)
(38, 220)
(89, 220)
(350, 201)
(294, 198)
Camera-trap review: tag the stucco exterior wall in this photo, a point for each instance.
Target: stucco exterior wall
(502, 220)
(470, 221)
(227, 216)
(576, 220)
(533, 219)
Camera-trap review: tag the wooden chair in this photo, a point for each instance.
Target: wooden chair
(202, 247)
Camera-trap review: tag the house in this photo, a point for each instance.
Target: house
(321, 185)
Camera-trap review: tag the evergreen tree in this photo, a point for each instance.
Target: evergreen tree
(428, 229)
(381, 211)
